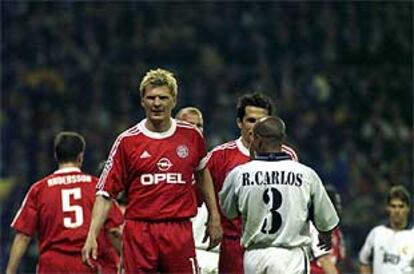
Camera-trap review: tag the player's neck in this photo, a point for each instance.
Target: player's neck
(245, 143)
(69, 165)
(398, 226)
(158, 126)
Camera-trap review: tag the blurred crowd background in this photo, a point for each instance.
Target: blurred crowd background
(340, 74)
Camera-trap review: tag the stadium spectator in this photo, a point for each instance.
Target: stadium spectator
(58, 208)
(223, 158)
(389, 248)
(276, 198)
(155, 162)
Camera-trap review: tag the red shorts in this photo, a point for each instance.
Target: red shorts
(166, 247)
(52, 262)
(231, 256)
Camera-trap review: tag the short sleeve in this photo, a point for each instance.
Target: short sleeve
(26, 218)
(111, 181)
(366, 252)
(201, 151)
(324, 213)
(228, 197)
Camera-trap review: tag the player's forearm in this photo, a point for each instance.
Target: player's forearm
(207, 190)
(365, 269)
(19, 246)
(99, 214)
(327, 264)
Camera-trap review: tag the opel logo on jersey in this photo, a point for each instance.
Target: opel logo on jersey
(164, 164)
(182, 151)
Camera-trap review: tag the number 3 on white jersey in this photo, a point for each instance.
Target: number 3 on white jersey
(68, 222)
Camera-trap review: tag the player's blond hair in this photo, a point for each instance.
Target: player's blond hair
(191, 110)
(157, 78)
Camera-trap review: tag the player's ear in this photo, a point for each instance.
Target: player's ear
(239, 123)
(174, 99)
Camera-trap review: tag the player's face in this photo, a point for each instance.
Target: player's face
(398, 211)
(194, 119)
(158, 103)
(252, 115)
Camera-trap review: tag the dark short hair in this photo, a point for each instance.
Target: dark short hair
(272, 129)
(399, 192)
(254, 99)
(68, 145)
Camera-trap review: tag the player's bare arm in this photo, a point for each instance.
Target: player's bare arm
(99, 214)
(20, 243)
(325, 240)
(214, 230)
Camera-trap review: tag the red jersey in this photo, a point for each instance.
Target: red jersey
(59, 208)
(156, 169)
(337, 252)
(220, 161)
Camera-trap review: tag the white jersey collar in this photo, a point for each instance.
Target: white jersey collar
(157, 135)
(67, 170)
(242, 148)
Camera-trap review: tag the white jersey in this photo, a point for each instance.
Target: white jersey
(276, 198)
(389, 251)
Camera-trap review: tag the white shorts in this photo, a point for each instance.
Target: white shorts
(207, 261)
(275, 260)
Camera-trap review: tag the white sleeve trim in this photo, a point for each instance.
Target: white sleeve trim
(103, 193)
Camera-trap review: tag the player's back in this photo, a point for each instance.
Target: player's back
(59, 208)
(274, 198)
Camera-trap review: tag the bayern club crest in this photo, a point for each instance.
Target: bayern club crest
(182, 151)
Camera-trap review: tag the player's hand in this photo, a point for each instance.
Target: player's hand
(214, 233)
(90, 252)
(325, 240)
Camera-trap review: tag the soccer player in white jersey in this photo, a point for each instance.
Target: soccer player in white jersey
(207, 259)
(154, 162)
(390, 248)
(277, 198)
(223, 158)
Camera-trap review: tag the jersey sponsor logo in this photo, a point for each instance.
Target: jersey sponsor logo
(156, 178)
(145, 155)
(182, 151)
(164, 164)
(390, 258)
(272, 178)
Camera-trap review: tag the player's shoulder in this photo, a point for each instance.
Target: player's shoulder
(129, 133)
(291, 151)
(228, 146)
(379, 230)
(183, 125)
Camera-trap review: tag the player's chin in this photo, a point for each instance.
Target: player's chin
(158, 116)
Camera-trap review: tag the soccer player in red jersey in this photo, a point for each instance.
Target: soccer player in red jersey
(323, 261)
(223, 158)
(207, 259)
(58, 208)
(155, 161)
